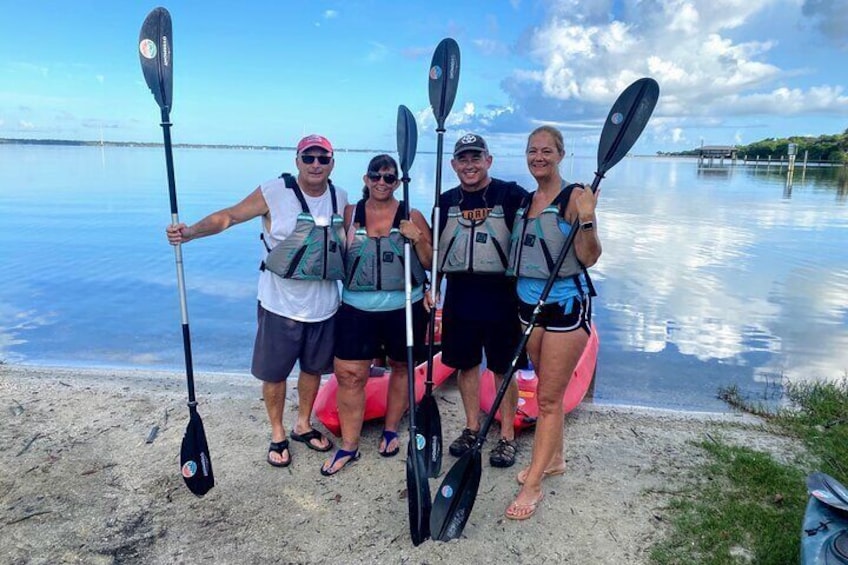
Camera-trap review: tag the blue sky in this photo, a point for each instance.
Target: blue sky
(268, 72)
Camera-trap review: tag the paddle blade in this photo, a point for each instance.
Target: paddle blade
(195, 462)
(444, 79)
(827, 490)
(407, 138)
(418, 492)
(455, 497)
(154, 50)
(429, 423)
(626, 120)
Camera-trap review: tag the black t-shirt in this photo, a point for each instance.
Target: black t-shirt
(481, 297)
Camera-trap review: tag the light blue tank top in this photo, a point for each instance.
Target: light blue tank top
(529, 290)
(380, 300)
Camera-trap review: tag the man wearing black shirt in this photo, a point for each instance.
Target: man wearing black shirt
(480, 310)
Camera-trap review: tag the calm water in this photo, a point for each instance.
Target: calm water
(706, 279)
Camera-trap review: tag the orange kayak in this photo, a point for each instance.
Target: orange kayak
(528, 409)
(376, 390)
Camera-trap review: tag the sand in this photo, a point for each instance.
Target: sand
(80, 483)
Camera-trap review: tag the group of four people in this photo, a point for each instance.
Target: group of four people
(492, 234)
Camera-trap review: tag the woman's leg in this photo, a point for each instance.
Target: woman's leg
(397, 400)
(557, 357)
(350, 399)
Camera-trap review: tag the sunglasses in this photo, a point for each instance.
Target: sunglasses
(309, 159)
(388, 178)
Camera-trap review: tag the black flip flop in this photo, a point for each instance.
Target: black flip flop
(308, 437)
(279, 447)
(389, 437)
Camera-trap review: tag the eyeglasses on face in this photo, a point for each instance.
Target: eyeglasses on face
(388, 178)
(322, 159)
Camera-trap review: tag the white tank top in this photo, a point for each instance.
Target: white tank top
(304, 301)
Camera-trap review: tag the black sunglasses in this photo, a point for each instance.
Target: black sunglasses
(322, 159)
(388, 178)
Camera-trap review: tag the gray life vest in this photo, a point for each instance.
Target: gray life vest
(376, 263)
(475, 245)
(311, 252)
(536, 242)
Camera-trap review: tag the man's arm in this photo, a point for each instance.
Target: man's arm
(251, 207)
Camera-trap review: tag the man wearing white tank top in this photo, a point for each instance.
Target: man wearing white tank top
(297, 294)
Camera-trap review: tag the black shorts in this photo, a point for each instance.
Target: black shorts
(363, 335)
(570, 315)
(463, 343)
(281, 341)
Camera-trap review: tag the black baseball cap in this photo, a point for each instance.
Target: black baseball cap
(470, 142)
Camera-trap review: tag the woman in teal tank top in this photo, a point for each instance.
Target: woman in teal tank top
(562, 328)
(371, 321)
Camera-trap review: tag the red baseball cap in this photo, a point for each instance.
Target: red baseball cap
(314, 140)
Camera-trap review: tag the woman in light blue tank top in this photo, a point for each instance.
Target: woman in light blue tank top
(561, 330)
(371, 321)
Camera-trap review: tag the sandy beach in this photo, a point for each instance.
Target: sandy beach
(80, 483)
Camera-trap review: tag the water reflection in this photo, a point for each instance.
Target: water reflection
(708, 278)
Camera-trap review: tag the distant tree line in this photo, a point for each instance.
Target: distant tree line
(832, 148)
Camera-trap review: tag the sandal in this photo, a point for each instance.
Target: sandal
(340, 454)
(388, 438)
(517, 511)
(521, 477)
(309, 436)
(463, 443)
(503, 455)
(279, 447)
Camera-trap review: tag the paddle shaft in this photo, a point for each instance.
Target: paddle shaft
(178, 257)
(407, 290)
(434, 268)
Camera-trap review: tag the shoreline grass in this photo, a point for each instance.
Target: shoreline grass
(747, 506)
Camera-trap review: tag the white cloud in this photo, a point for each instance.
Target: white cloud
(330, 14)
(23, 124)
(700, 52)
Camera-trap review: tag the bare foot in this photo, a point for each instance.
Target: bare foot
(549, 472)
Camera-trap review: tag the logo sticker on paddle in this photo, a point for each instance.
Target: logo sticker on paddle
(435, 72)
(147, 48)
(447, 491)
(189, 469)
(420, 442)
(617, 118)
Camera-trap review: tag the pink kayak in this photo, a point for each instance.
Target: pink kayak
(528, 409)
(327, 411)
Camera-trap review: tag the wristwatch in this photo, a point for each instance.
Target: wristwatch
(587, 226)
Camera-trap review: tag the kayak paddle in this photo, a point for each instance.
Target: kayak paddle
(155, 52)
(417, 487)
(828, 490)
(458, 491)
(444, 79)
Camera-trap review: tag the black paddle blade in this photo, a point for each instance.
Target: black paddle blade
(444, 79)
(155, 49)
(195, 462)
(827, 490)
(407, 138)
(455, 497)
(429, 423)
(626, 120)
(418, 492)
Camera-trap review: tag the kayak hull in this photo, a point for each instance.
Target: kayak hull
(376, 394)
(528, 408)
(824, 535)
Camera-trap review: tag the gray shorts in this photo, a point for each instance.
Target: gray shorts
(281, 341)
